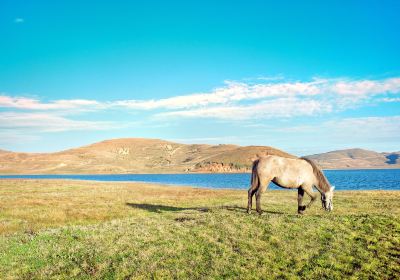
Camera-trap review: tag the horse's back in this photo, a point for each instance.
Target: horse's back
(290, 172)
(272, 161)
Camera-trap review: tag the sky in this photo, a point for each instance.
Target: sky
(303, 76)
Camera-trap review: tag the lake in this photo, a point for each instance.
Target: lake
(365, 179)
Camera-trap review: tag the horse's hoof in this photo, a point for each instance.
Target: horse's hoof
(259, 212)
(300, 209)
(248, 211)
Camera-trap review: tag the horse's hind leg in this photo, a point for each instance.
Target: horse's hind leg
(251, 192)
(300, 195)
(260, 191)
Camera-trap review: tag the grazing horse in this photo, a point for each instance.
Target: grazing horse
(289, 173)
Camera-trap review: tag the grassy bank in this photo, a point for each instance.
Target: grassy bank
(73, 229)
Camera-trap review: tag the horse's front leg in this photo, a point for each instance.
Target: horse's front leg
(300, 195)
(313, 195)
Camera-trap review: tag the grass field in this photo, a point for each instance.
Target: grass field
(90, 230)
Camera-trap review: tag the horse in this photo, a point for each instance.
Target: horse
(290, 173)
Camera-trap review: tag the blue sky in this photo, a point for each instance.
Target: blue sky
(303, 76)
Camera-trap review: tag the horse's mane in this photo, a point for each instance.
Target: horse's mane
(323, 182)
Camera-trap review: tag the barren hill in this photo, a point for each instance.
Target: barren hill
(136, 155)
(357, 158)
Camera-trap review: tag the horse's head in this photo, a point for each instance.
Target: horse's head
(327, 199)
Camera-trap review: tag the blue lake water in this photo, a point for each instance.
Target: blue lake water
(382, 179)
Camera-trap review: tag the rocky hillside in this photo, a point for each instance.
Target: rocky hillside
(135, 155)
(357, 158)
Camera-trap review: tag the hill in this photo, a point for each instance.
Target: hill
(357, 158)
(136, 155)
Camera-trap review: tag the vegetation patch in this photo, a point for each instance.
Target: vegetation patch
(81, 230)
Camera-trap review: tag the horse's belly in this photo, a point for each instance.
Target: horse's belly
(285, 182)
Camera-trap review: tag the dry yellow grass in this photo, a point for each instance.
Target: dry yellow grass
(30, 205)
(111, 230)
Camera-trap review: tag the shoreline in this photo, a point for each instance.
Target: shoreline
(176, 173)
(152, 184)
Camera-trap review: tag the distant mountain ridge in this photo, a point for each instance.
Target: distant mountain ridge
(356, 158)
(138, 155)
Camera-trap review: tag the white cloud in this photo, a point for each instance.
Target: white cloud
(277, 108)
(19, 20)
(388, 99)
(366, 127)
(231, 92)
(237, 100)
(12, 137)
(342, 91)
(271, 78)
(35, 104)
(373, 133)
(367, 87)
(45, 122)
(350, 130)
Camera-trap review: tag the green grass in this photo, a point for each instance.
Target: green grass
(88, 230)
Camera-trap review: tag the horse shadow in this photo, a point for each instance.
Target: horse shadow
(239, 209)
(158, 208)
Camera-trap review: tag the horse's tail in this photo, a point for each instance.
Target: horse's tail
(255, 180)
(323, 183)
